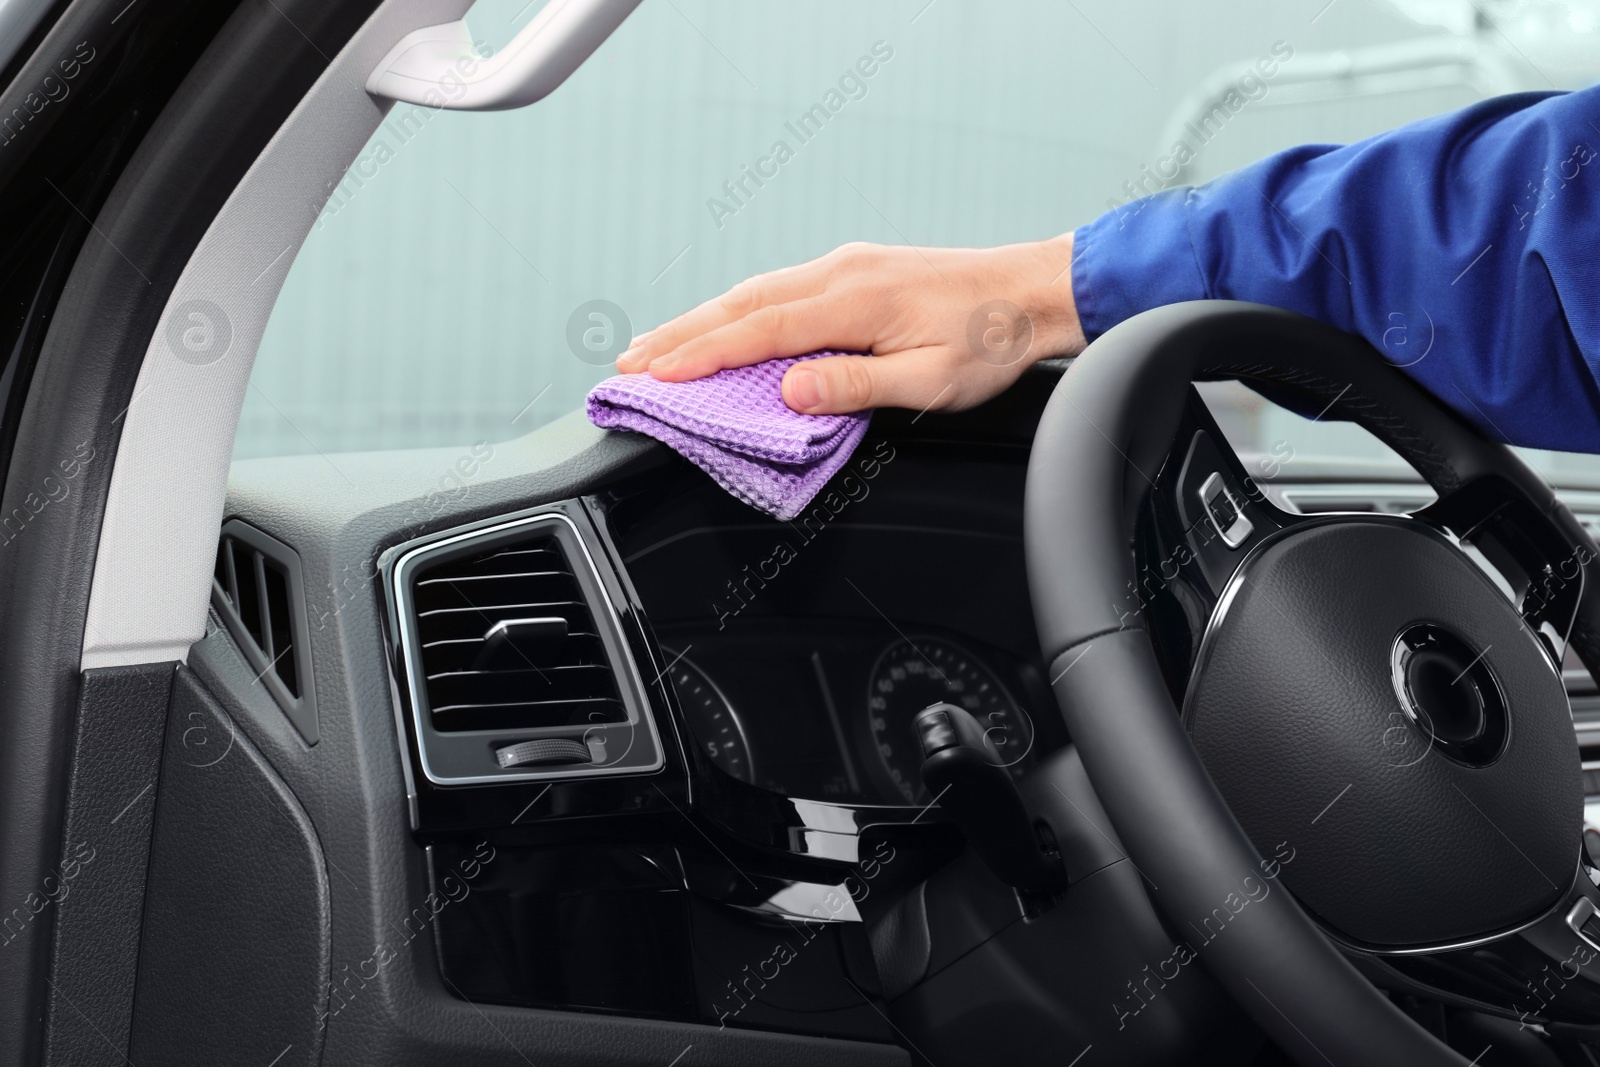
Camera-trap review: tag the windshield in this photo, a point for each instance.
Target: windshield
(473, 275)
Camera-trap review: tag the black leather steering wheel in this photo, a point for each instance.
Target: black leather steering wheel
(1344, 707)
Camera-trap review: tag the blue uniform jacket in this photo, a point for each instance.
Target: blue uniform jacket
(1465, 248)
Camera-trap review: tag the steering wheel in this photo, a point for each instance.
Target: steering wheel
(1340, 755)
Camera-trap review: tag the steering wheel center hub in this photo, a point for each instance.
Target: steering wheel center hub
(1367, 695)
(1450, 694)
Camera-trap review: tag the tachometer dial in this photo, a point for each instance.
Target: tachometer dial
(713, 723)
(914, 673)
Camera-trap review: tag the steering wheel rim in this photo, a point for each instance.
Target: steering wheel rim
(1101, 445)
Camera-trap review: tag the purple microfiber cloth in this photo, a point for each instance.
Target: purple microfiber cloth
(735, 426)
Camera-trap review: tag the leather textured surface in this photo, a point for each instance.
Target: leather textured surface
(233, 966)
(1294, 713)
(97, 887)
(902, 943)
(1218, 894)
(1101, 442)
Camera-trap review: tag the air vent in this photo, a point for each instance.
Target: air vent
(508, 640)
(515, 659)
(257, 591)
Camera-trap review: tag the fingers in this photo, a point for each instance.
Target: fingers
(919, 379)
(746, 298)
(833, 320)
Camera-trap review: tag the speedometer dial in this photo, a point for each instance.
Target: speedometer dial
(914, 673)
(713, 723)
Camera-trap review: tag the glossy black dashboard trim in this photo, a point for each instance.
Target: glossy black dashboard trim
(521, 802)
(759, 832)
(769, 829)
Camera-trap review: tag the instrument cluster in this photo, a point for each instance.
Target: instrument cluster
(824, 711)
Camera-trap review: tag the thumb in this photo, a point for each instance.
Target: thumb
(921, 378)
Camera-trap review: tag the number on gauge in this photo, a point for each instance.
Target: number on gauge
(713, 723)
(914, 673)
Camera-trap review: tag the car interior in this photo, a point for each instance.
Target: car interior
(1218, 697)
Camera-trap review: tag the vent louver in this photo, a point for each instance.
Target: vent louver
(515, 660)
(508, 640)
(257, 591)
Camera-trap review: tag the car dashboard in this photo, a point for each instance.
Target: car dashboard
(647, 734)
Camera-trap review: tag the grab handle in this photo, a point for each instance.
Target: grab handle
(438, 66)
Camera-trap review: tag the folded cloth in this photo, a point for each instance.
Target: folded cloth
(735, 426)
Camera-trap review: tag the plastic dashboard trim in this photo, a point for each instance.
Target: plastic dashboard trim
(397, 567)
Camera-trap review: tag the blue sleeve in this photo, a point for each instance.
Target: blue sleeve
(1465, 248)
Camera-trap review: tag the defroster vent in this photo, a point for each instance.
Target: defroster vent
(515, 661)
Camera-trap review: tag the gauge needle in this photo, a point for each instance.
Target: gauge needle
(838, 726)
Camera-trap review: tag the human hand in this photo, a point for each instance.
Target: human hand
(948, 328)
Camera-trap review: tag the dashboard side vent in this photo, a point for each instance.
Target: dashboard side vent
(515, 660)
(259, 593)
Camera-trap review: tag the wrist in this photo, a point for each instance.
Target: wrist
(1047, 298)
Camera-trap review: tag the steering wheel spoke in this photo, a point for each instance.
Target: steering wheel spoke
(1546, 973)
(1541, 563)
(1204, 515)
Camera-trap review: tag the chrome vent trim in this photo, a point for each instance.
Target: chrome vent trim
(616, 724)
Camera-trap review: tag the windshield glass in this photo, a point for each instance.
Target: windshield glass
(473, 275)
